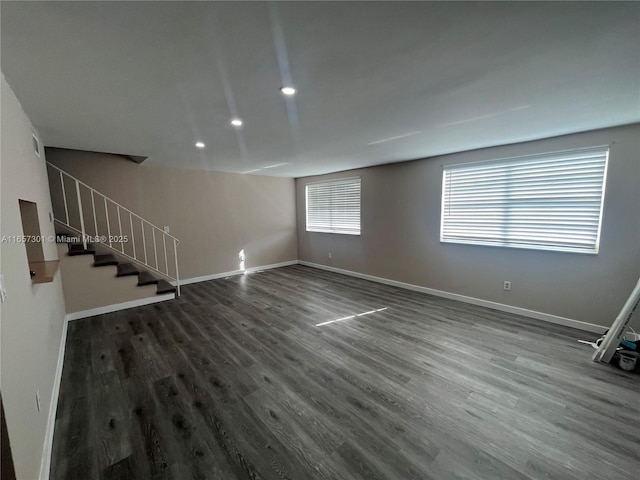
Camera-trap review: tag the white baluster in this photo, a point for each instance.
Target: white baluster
(64, 198)
(84, 236)
(133, 240)
(144, 242)
(95, 218)
(175, 256)
(166, 263)
(155, 248)
(120, 228)
(106, 213)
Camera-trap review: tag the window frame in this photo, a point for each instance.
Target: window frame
(511, 162)
(334, 229)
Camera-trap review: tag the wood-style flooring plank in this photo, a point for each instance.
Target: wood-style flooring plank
(241, 378)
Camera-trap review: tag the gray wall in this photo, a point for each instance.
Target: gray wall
(401, 228)
(32, 317)
(215, 215)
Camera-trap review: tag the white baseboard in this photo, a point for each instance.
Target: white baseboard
(232, 273)
(119, 306)
(546, 317)
(273, 265)
(161, 298)
(45, 464)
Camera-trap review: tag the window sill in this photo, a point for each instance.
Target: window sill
(45, 271)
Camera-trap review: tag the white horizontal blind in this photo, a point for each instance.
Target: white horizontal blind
(550, 202)
(334, 207)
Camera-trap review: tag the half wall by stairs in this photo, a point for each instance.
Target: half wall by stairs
(89, 288)
(123, 268)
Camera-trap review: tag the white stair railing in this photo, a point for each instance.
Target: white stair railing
(71, 199)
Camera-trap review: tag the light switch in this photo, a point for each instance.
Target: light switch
(3, 291)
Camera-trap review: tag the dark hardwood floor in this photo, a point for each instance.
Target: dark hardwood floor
(235, 381)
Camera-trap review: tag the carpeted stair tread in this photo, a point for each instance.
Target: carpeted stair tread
(78, 249)
(145, 278)
(104, 260)
(165, 287)
(126, 269)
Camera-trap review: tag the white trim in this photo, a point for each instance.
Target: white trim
(546, 317)
(232, 273)
(45, 464)
(273, 265)
(119, 306)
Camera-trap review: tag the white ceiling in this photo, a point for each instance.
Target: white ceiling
(377, 82)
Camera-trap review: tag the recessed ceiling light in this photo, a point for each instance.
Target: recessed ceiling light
(236, 122)
(200, 145)
(289, 91)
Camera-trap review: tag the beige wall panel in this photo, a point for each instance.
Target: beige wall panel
(215, 215)
(87, 287)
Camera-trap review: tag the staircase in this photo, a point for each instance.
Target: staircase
(123, 269)
(93, 224)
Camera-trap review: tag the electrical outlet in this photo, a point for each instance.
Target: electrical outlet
(330, 255)
(38, 400)
(507, 285)
(166, 229)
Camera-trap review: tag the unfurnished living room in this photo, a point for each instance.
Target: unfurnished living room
(320, 240)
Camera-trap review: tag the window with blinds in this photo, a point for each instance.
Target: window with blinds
(551, 201)
(334, 207)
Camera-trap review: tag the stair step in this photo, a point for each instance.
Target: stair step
(104, 260)
(145, 278)
(165, 287)
(78, 249)
(126, 269)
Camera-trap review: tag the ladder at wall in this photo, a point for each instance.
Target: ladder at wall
(612, 339)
